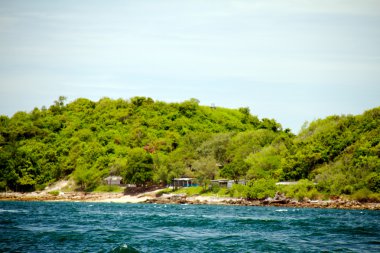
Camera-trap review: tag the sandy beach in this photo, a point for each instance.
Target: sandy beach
(74, 196)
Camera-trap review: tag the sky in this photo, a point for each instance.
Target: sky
(291, 60)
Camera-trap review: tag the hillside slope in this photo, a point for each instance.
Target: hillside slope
(340, 153)
(151, 142)
(143, 140)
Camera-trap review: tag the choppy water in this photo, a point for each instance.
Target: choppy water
(101, 227)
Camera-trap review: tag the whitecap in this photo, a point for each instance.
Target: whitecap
(125, 248)
(12, 211)
(281, 210)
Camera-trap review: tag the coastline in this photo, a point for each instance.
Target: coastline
(151, 197)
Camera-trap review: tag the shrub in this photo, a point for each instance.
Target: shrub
(164, 191)
(215, 188)
(373, 182)
(348, 189)
(303, 189)
(40, 187)
(223, 192)
(3, 185)
(261, 189)
(362, 195)
(238, 191)
(374, 197)
(190, 191)
(108, 188)
(54, 193)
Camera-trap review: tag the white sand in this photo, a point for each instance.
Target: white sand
(123, 199)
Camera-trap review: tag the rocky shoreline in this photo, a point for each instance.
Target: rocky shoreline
(151, 197)
(199, 200)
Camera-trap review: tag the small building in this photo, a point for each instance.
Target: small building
(113, 180)
(242, 181)
(227, 183)
(221, 182)
(183, 182)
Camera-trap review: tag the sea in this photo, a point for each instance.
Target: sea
(115, 227)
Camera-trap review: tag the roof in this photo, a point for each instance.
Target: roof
(221, 180)
(183, 179)
(113, 178)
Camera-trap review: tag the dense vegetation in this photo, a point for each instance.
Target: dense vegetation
(151, 142)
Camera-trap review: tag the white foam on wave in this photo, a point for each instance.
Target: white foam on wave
(12, 211)
(281, 210)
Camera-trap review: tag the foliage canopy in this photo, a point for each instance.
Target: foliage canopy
(152, 142)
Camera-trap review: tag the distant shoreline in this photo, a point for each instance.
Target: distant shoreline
(151, 197)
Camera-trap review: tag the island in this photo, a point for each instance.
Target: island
(105, 149)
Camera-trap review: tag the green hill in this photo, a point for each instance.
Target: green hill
(143, 140)
(340, 153)
(151, 142)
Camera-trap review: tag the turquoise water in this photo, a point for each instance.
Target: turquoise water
(101, 227)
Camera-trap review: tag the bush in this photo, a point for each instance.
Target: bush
(164, 191)
(238, 191)
(348, 189)
(108, 188)
(190, 191)
(3, 185)
(303, 189)
(373, 182)
(215, 188)
(261, 189)
(54, 193)
(40, 187)
(362, 195)
(223, 192)
(374, 197)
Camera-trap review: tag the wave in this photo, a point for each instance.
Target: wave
(124, 249)
(12, 211)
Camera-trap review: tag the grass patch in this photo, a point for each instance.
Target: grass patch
(366, 195)
(196, 191)
(54, 193)
(108, 188)
(190, 191)
(164, 191)
(223, 192)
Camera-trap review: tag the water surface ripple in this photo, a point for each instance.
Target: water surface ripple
(102, 227)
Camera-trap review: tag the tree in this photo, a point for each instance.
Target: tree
(87, 178)
(235, 170)
(205, 170)
(58, 105)
(261, 189)
(139, 167)
(264, 164)
(270, 124)
(216, 147)
(189, 107)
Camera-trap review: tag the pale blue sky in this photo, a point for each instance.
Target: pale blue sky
(293, 61)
